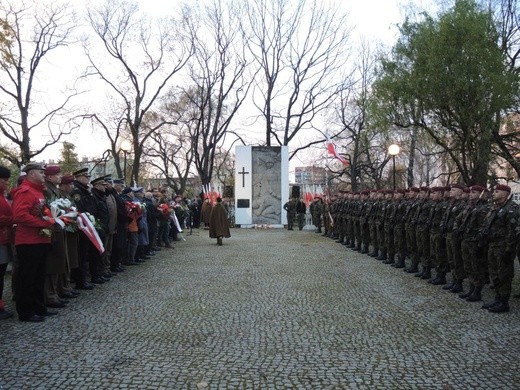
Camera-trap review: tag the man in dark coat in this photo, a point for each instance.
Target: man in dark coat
(218, 222)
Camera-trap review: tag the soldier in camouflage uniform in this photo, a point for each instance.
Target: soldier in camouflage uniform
(316, 210)
(380, 225)
(290, 208)
(500, 233)
(422, 220)
(453, 250)
(467, 226)
(410, 226)
(363, 220)
(437, 241)
(399, 228)
(372, 225)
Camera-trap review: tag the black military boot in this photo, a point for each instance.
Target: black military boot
(476, 295)
(400, 263)
(449, 286)
(501, 307)
(419, 274)
(457, 287)
(440, 279)
(494, 302)
(427, 274)
(465, 295)
(365, 249)
(390, 260)
(414, 268)
(382, 256)
(374, 253)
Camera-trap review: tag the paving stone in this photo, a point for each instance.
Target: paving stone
(269, 309)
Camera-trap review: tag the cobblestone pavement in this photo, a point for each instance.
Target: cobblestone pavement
(270, 309)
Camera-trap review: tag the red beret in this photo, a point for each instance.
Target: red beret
(503, 187)
(437, 189)
(459, 186)
(466, 190)
(425, 188)
(365, 192)
(389, 192)
(401, 191)
(477, 188)
(414, 189)
(67, 179)
(52, 170)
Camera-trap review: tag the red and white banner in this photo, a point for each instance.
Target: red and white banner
(331, 148)
(86, 226)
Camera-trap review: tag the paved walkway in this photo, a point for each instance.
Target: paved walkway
(269, 309)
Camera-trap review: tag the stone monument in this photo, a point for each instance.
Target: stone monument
(261, 185)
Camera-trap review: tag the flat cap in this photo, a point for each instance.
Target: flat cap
(33, 166)
(5, 173)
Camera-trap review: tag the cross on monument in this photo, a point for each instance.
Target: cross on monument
(243, 173)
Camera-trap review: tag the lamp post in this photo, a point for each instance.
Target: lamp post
(125, 147)
(393, 150)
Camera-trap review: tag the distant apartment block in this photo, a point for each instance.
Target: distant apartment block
(310, 175)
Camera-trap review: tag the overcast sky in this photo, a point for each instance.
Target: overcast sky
(374, 20)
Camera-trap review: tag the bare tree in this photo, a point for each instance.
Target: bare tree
(218, 83)
(140, 58)
(300, 49)
(30, 34)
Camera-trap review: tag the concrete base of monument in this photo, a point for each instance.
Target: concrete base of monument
(309, 227)
(260, 226)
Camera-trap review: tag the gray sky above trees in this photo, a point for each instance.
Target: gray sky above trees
(373, 19)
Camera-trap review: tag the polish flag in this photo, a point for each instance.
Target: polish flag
(86, 226)
(331, 148)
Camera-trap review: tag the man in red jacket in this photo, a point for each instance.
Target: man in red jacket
(32, 241)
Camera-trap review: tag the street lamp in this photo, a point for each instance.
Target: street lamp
(393, 150)
(126, 146)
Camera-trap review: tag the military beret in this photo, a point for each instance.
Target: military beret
(436, 189)
(52, 170)
(503, 187)
(414, 189)
(98, 180)
(67, 179)
(477, 188)
(33, 166)
(425, 188)
(365, 192)
(389, 191)
(82, 172)
(466, 190)
(459, 186)
(401, 191)
(5, 173)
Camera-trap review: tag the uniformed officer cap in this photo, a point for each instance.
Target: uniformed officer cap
(127, 190)
(98, 180)
(119, 181)
(81, 172)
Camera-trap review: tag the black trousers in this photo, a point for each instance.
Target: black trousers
(30, 279)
